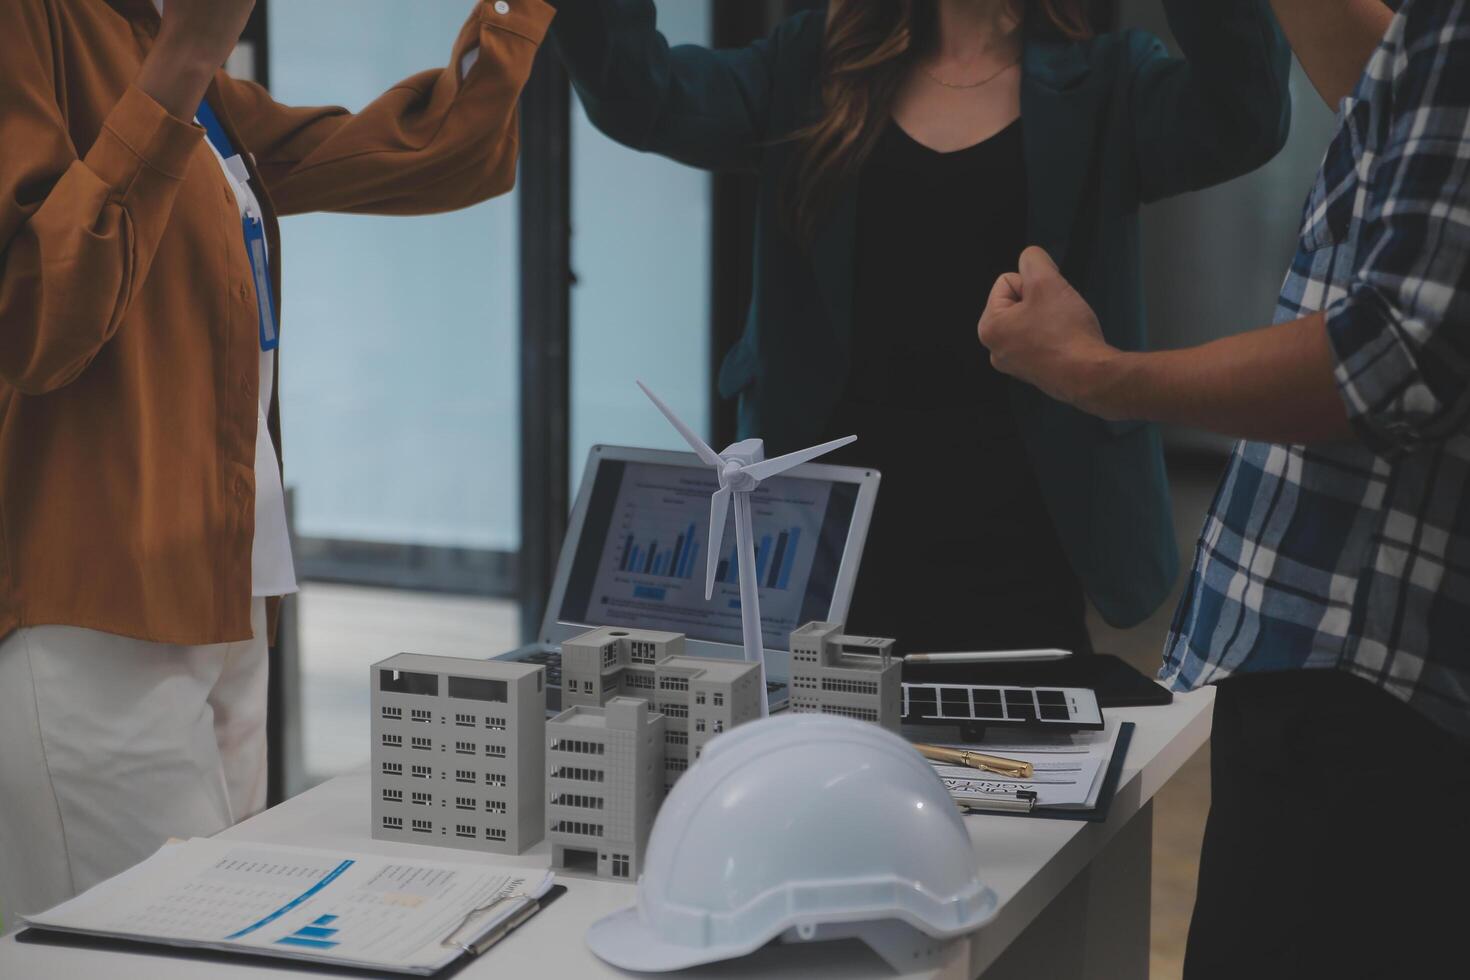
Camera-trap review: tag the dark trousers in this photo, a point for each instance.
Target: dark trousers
(1338, 841)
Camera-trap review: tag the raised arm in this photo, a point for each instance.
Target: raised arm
(1387, 360)
(78, 232)
(1220, 111)
(441, 140)
(1333, 39)
(699, 106)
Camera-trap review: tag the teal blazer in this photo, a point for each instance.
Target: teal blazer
(1109, 124)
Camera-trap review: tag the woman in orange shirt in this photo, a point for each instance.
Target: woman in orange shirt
(142, 526)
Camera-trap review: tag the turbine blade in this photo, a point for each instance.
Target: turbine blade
(770, 467)
(719, 504)
(701, 450)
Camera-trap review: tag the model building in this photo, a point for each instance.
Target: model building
(459, 750)
(700, 696)
(852, 676)
(604, 784)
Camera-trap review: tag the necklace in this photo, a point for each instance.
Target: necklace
(984, 81)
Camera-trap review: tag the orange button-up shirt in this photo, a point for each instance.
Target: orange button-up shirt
(129, 340)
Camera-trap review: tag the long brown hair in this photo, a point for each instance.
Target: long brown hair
(870, 46)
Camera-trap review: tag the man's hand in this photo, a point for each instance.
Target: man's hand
(196, 38)
(1040, 330)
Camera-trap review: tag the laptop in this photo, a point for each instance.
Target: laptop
(634, 557)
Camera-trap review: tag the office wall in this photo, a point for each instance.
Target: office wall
(1214, 261)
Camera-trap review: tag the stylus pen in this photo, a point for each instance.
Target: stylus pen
(977, 760)
(988, 657)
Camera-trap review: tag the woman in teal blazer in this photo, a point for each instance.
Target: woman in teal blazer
(1107, 123)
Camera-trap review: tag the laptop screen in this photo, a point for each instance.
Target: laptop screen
(640, 560)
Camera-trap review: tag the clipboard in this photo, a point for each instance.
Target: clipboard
(1097, 814)
(473, 948)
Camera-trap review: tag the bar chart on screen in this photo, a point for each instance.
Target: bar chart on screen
(670, 559)
(773, 560)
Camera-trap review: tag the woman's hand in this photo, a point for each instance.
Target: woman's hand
(1040, 330)
(197, 37)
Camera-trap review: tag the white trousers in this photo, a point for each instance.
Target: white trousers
(109, 746)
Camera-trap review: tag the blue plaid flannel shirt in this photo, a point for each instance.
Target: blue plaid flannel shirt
(1357, 557)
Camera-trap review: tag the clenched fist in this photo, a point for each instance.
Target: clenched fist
(197, 37)
(1040, 330)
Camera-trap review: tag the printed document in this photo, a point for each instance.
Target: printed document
(1069, 770)
(346, 909)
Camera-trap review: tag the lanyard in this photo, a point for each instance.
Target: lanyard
(251, 225)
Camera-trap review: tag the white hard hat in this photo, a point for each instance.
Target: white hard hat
(802, 825)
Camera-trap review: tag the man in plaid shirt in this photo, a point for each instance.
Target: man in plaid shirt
(1330, 594)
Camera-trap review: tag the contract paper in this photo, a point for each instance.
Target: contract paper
(345, 909)
(1069, 770)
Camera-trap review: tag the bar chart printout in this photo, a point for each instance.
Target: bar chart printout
(294, 903)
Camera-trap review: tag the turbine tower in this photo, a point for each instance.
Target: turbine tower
(741, 469)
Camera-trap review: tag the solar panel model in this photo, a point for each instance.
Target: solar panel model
(976, 707)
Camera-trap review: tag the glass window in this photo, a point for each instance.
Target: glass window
(640, 309)
(399, 343)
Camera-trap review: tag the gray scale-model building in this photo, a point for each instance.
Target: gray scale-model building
(853, 676)
(604, 785)
(458, 753)
(700, 696)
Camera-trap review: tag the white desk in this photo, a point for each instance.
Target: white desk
(1074, 896)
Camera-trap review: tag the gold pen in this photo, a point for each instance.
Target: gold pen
(977, 760)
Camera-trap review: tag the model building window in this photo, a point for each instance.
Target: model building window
(464, 721)
(465, 803)
(393, 823)
(495, 806)
(389, 712)
(422, 826)
(422, 715)
(422, 743)
(699, 724)
(393, 796)
(674, 710)
(577, 772)
(495, 833)
(392, 740)
(422, 772)
(609, 656)
(719, 726)
(495, 779)
(423, 799)
(718, 697)
(849, 687)
(578, 800)
(699, 697)
(620, 865)
(673, 683)
(641, 652)
(578, 745)
(464, 748)
(641, 681)
(464, 775)
(676, 765)
(672, 737)
(495, 724)
(393, 769)
(861, 714)
(464, 830)
(577, 827)
(495, 751)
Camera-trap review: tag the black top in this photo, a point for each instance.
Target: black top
(962, 554)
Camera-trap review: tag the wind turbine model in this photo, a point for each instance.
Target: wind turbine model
(742, 467)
